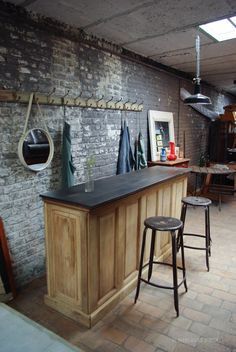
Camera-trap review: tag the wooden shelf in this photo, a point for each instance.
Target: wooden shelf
(180, 162)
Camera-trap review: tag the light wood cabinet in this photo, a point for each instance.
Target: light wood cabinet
(93, 255)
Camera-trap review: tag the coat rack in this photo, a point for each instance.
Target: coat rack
(66, 100)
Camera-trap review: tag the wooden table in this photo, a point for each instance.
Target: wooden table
(180, 162)
(93, 239)
(209, 172)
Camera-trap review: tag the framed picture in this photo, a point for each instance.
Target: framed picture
(161, 131)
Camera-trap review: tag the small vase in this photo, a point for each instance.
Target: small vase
(172, 155)
(163, 154)
(89, 181)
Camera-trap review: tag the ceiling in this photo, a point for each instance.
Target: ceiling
(163, 30)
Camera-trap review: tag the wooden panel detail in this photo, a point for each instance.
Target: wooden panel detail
(64, 257)
(65, 252)
(93, 262)
(166, 211)
(131, 240)
(151, 210)
(120, 246)
(177, 195)
(143, 215)
(106, 254)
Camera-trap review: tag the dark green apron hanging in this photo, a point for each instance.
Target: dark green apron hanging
(68, 168)
(140, 158)
(125, 158)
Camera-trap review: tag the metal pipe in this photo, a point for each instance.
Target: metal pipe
(197, 57)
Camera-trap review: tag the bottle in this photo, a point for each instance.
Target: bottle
(163, 154)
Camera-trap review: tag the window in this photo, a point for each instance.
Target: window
(221, 30)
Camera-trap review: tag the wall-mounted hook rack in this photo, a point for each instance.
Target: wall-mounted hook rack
(79, 101)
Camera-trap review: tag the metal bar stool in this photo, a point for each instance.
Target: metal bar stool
(162, 223)
(198, 202)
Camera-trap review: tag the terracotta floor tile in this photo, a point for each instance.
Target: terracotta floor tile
(196, 315)
(162, 341)
(135, 345)
(112, 334)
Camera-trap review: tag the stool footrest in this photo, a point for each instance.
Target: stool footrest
(198, 248)
(162, 286)
(155, 262)
(193, 234)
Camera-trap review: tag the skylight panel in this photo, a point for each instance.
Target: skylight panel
(233, 19)
(220, 30)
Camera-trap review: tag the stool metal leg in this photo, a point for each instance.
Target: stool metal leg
(209, 229)
(183, 262)
(175, 275)
(152, 249)
(181, 230)
(207, 238)
(141, 264)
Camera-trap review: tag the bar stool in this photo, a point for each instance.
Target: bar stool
(162, 223)
(198, 202)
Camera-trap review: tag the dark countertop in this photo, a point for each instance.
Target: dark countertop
(113, 188)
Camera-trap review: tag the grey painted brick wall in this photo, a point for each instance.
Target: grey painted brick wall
(33, 54)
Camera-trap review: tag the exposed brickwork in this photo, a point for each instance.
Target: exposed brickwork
(44, 54)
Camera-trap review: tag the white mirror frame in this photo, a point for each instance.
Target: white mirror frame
(160, 116)
(51, 150)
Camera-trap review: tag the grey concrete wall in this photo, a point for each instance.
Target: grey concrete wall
(38, 55)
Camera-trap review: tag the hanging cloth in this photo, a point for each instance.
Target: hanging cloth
(140, 158)
(125, 158)
(68, 169)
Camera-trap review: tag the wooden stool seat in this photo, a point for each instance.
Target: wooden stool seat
(163, 223)
(197, 201)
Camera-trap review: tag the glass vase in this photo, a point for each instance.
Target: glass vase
(89, 180)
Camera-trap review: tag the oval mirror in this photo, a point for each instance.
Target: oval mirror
(35, 149)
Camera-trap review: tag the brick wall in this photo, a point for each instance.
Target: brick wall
(40, 54)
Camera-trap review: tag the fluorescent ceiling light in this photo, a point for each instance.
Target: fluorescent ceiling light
(221, 30)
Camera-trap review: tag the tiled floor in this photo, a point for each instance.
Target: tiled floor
(207, 319)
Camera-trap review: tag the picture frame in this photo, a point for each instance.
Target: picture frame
(161, 131)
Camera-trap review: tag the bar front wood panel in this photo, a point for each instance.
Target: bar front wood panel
(93, 255)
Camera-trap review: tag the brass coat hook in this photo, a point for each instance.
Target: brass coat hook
(78, 96)
(99, 100)
(118, 102)
(88, 101)
(35, 92)
(109, 101)
(18, 97)
(63, 98)
(49, 95)
(140, 104)
(126, 107)
(133, 104)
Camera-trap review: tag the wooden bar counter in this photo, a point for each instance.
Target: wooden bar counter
(93, 239)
